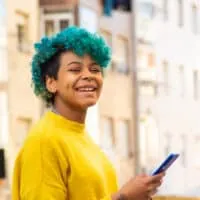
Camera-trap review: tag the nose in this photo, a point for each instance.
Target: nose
(87, 75)
(87, 78)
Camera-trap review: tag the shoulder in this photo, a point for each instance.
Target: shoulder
(41, 132)
(40, 137)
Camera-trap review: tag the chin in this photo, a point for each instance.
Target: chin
(88, 104)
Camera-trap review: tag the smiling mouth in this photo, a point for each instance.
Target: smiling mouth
(86, 89)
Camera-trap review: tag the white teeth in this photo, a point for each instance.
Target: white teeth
(86, 89)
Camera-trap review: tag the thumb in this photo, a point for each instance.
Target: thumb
(143, 175)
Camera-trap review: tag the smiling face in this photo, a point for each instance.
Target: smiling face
(79, 81)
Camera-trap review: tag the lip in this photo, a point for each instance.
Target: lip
(86, 88)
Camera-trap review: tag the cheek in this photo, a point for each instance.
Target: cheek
(65, 87)
(100, 83)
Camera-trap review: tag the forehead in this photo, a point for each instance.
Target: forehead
(70, 56)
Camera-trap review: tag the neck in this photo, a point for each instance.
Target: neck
(69, 112)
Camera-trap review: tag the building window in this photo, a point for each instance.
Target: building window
(165, 68)
(152, 136)
(146, 9)
(107, 136)
(121, 55)
(196, 84)
(141, 58)
(180, 13)
(142, 145)
(123, 138)
(183, 149)
(107, 36)
(195, 146)
(167, 146)
(181, 81)
(109, 5)
(3, 118)
(49, 27)
(165, 10)
(124, 5)
(151, 60)
(22, 32)
(146, 59)
(148, 141)
(53, 23)
(24, 125)
(194, 18)
(3, 65)
(64, 23)
(147, 73)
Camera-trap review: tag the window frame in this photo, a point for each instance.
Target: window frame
(126, 69)
(56, 18)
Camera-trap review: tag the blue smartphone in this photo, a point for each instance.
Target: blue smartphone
(165, 164)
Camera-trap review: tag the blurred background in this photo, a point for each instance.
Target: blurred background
(150, 105)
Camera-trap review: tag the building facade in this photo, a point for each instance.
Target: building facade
(3, 76)
(116, 104)
(169, 90)
(23, 107)
(3, 96)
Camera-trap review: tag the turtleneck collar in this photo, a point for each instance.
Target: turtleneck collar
(64, 123)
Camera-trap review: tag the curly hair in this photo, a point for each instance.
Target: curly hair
(48, 51)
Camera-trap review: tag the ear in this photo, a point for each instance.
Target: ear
(51, 84)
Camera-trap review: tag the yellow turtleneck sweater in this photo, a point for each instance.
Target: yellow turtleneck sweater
(59, 161)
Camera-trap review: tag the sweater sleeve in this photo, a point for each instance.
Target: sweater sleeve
(43, 175)
(107, 198)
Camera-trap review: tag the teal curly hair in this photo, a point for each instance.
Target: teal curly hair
(73, 38)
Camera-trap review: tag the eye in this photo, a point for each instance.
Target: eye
(74, 70)
(77, 69)
(96, 69)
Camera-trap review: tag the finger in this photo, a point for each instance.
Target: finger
(153, 192)
(143, 175)
(152, 188)
(157, 182)
(156, 178)
(160, 175)
(148, 197)
(156, 185)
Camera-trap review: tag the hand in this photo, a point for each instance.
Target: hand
(141, 187)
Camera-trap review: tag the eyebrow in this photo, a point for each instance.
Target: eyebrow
(74, 62)
(80, 63)
(93, 63)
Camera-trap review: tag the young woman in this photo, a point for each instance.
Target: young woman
(59, 161)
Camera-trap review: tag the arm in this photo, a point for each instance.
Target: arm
(41, 176)
(116, 196)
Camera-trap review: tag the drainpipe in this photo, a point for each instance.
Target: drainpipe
(135, 87)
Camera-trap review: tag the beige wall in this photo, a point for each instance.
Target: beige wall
(117, 100)
(23, 106)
